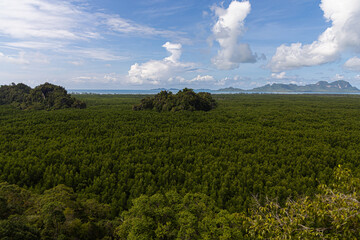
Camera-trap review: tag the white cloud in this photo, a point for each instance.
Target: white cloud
(353, 64)
(34, 45)
(281, 75)
(125, 26)
(94, 53)
(199, 78)
(235, 81)
(24, 19)
(227, 31)
(77, 63)
(63, 19)
(177, 78)
(222, 81)
(175, 51)
(111, 77)
(338, 77)
(10, 59)
(344, 34)
(155, 71)
(61, 25)
(97, 78)
(84, 79)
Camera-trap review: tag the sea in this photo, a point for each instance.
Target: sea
(155, 91)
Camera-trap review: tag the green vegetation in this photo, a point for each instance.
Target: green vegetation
(185, 99)
(58, 213)
(183, 174)
(55, 214)
(46, 96)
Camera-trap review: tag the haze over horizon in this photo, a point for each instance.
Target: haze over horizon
(106, 44)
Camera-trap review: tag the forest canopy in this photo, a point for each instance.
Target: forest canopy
(46, 96)
(59, 213)
(185, 99)
(107, 172)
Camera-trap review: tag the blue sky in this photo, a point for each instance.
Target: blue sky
(143, 44)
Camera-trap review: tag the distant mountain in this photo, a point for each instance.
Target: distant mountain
(322, 86)
(231, 89)
(165, 89)
(159, 89)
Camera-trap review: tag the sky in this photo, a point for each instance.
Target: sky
(148, 44)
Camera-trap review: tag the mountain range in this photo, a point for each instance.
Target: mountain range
(340, 86)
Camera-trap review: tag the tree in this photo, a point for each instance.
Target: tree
(185, 99)
(334, 213)
(46, 96)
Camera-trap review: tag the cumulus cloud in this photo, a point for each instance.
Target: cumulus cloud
(227, 31)
(281, 75)
(344, 34)
(199, 78)
(155, 71)
(353, 64)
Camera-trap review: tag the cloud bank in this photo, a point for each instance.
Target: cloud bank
(227, 31)
(156, 71)
(344, 34)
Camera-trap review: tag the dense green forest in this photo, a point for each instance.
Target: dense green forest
(45, 96)
(185, 99)
(202, 169)
(59, 213)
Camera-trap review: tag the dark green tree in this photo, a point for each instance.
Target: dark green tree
(185, 99)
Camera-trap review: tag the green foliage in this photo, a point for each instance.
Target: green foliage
(46, 96)
(331, 214)
(334, 213)
(185, 99)
(14, 93)
(15, 228)
(55, 214)
(264, 145)
(273, 146)
(170, 216)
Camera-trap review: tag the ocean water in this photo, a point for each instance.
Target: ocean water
(155, 91)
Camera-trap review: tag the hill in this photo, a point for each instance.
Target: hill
(322, 86)
(46, 96)
(185, 99)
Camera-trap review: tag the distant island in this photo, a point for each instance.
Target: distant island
(322, 86)
(165, 89)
